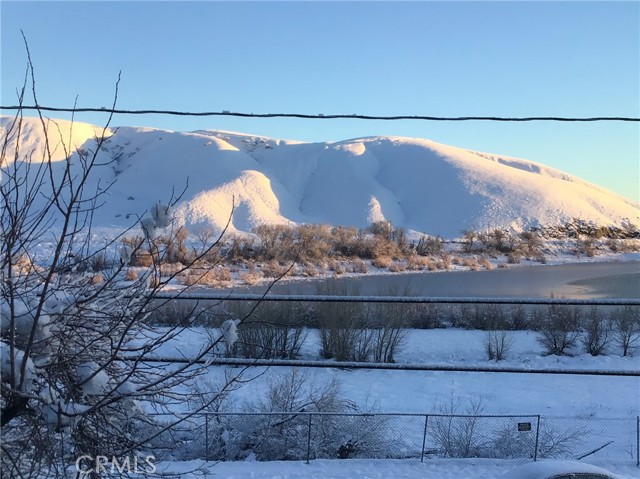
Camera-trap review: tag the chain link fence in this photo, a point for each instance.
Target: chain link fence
(304, 436)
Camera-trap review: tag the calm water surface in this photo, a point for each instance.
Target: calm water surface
(579, 280)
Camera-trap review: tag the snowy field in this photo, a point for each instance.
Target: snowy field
(606, 406)
(422, 391)
(364, 469)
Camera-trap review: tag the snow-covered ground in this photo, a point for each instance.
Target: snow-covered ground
(606, 407)
(363, 469)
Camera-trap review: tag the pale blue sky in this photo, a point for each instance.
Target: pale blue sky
(379, 58)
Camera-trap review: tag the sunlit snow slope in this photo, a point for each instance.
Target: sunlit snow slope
(414, 183)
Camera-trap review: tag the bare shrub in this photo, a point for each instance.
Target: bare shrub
(596, 336)
(274, 330)
(627, 328)
(383, 229)
(251, 277)
(427, 316)
(514, 257)
(275, 269)
(173, 313)
(509, 443)
(359, 266)
(337, 266)
(559, 329)
(284, 437)
(342, 327)
(382, 261)
(388, 322)
(485, 263)
(313, 241)
(417, 263)
(347, 241)
(310, 271)
(446, 261)
(131, 275)
(98, 262)
(397, 266)
(487, 317)
(497, 344)
(429, 245)
(471, 263)
(518, 317)
(215, 277)
(469, 236)
(276, 242)
(532, 243)
(587, 246)
(456, 433)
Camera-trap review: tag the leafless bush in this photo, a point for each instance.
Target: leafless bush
(275, 269)
(627, 328)
(514, 257)
(457, 433)
(429, 245)
(426, 316)
(359, 266)
(497, 344)
(518, 317)
(559, 329)
(65, 388)
(485, 263)
(284, 437)
(382, 261)
(487, 317)
(509, 443)
(274, 330)
(532, 243)
(251, 277)
(172, 314)
(417, 263)
(397, 266)
(596, 335)
(469, 236)
(388, 322)
(343, 327)
(471, 263)
(587, 246)
(131, 275)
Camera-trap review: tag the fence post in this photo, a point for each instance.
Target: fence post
(309, 438)
(206, 437)
(424, 436)
(535, 451)
(638, 441)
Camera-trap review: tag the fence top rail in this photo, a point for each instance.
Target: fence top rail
(388, 366)
(399, 299)
(353, 414)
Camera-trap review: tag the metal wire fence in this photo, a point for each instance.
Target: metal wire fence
(304, 436)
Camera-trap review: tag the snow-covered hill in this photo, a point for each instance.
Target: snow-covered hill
(417, 184)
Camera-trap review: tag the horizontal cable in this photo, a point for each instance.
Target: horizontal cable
(383, 366)
(398, 299)
(321, 116)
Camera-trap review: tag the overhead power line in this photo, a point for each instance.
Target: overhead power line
(320, 116)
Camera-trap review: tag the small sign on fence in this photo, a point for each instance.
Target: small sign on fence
(524, 426)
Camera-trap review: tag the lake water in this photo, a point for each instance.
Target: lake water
(575, 281)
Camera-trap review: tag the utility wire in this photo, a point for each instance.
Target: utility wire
(320, 116)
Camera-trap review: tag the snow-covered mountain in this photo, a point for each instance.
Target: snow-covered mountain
(414, 183)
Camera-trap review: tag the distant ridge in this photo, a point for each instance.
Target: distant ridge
(417, 184)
